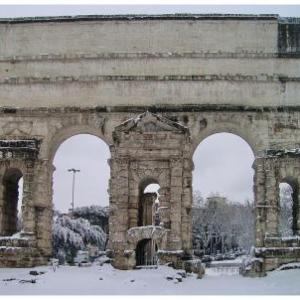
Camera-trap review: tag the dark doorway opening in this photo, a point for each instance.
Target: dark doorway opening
(10, 183)
(146, 253)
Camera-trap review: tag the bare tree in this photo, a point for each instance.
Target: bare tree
(220, 225)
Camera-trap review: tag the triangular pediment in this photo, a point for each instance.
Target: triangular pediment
(149, 122)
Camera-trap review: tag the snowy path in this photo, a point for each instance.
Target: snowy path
(107, 280)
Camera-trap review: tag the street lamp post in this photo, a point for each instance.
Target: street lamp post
(74, 171)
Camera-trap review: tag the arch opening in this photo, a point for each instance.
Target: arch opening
(223, 211)
(288, 207)
(80, 198)
(148, 203)
(88, 155)
(12, 185)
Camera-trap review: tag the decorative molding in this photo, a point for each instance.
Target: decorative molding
(141, 17)
(99, 78)
(149, 122)
(160, 108)
(17, 128)
(242, 53)
(23, 149)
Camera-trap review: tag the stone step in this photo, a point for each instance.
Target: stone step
(146, 267)
(269, 252)
(283, 242)
(223, 270)
(224, 264)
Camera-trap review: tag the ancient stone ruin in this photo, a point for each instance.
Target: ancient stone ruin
(152, 87)
(150, 149)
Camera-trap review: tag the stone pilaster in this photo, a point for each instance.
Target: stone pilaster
(259, 189)
(272, 197)
(175, 237)
(118, 218)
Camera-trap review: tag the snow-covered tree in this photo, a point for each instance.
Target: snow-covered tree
(70, 235)
(198, 200)
(97, 215)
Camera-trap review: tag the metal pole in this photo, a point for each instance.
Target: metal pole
(73, 190)
(73, 187)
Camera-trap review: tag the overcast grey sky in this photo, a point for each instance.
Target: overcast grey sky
(89, 154)
(223, 165)
(222, 161)
(55, 10)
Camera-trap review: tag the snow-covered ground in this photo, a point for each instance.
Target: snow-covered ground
(105, 279)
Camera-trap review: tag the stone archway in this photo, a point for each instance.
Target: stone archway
(223, 180)
(89, 155)
(19, 158)
(55, 141)
(65, 132)
(246, 133)
(146, 204)
(148, 149)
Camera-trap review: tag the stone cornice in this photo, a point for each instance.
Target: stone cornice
(134, 17)
(99, 78)
(163, 108)
(138, 55)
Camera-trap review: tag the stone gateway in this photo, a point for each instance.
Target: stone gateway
(152, 87)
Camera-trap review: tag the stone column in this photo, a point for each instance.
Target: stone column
(118, 192)
(164, 206)
(43, 205)
(1, 205)
(118, 215)
(28, 210)
(297, 198)
(266, 192)
(272, 197)
(186, 205)
(260, 207)
(134, 195)
(176, 172)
